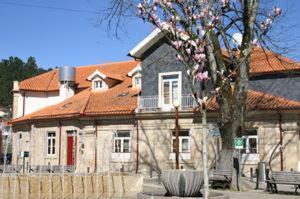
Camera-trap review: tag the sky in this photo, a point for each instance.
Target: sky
(60, 37)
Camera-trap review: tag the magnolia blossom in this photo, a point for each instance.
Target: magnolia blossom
(179, 58)
(202, 76)
(199, 57)
(177, 44)
(277, 11)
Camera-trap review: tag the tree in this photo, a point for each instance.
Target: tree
(201, 31)
(12, 69)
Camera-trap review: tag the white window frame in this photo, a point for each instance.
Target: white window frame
(137, 80)
(182, 155)
(160, 88)
(247, 157)
(122, 142)
(52, 146)
(98, 84)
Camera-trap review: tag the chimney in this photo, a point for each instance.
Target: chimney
(67, 82)
(16, 95)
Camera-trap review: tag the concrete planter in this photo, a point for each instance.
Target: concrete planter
(182, 183)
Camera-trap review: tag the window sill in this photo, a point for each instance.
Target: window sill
(50, 157)
(249, 157)
(124, 157)
(182, 156)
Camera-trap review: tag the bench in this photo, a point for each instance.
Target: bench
(54, 169)
(10, 168)
(220, 178)
(283, 177)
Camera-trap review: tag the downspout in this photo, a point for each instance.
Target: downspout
(279, 144)
(59, 148)
(281, 141)
(24, 96)
(96, 135)
(137, 144)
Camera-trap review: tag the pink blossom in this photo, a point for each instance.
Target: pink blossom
(155, 2)
(224, 3)
(169, 4)
(188, 50)
(199, 57)
(201, 76)
(177, 44)
(179, 58)
(140, 6)
(277, 11)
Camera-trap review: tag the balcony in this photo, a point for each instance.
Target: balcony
(155, 103)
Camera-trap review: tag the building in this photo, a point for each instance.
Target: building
(5, 139)
(120, 116)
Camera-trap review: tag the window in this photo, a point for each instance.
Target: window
(169, 89)
(51, 143)
(122, 142)
(250, 142)
(98, 84)
(138, 81)
(184, 142)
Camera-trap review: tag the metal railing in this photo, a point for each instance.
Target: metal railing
(153, 103)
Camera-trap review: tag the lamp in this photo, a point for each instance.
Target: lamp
(176, 104)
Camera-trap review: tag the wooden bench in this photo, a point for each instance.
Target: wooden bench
(219, 178)
(283, 177)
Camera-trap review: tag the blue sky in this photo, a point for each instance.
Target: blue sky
(57, 37)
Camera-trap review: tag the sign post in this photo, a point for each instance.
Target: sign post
(238, 145)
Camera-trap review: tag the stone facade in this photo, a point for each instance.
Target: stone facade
(153, 145)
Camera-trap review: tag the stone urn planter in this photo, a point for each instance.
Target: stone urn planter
(182, 183)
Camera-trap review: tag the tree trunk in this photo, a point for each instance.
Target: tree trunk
(204, 150)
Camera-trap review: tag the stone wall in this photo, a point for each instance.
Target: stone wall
(70, 186)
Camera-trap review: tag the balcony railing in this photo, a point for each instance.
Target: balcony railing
(153, 103)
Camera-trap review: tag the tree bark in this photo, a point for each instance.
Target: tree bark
(204, 155)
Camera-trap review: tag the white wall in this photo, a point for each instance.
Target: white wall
(37, 100)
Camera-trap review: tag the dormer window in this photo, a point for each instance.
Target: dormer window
(136, 76)
(98, 84)
(137, 80)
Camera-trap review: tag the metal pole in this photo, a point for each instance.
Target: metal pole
(177, 138)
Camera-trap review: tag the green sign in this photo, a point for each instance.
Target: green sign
(26, 154)
(238, 143)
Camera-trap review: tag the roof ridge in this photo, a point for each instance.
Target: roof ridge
(102, 64)
(51, 79)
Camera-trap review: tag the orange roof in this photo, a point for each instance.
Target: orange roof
(49, 81)
(122, 100)
(262, 101)
(263, 62)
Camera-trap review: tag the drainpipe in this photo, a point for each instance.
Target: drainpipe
(281, 141)
(59, 148)
(96, 134)
(137, 145)
(24, 96)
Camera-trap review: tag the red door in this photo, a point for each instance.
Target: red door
(71, 150)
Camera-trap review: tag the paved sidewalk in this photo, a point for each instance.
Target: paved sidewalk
(284, 192)
(260, 194)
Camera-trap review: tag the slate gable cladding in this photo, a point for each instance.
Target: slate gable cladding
(160, 59)
(287, 87)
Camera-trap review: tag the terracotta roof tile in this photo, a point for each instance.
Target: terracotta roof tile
(262, 101)
(49, 81)
(270, 62)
